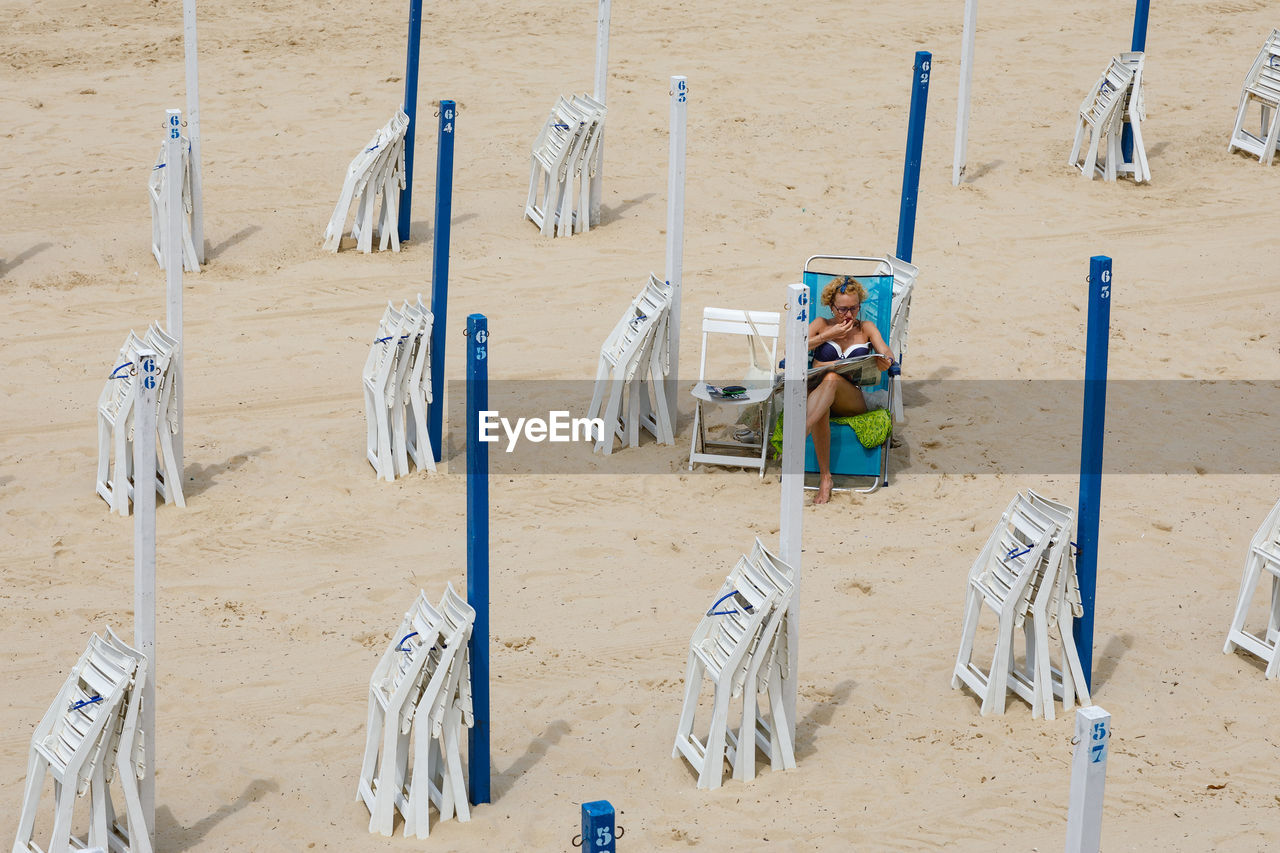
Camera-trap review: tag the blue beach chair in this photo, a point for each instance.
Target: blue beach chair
(889, 283)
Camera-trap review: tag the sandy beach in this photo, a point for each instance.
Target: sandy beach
(282, 581)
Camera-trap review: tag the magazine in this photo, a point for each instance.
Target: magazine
(863, 370)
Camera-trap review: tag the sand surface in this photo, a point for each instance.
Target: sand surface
(282, 580)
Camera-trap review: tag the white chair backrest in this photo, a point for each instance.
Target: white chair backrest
(758, 327)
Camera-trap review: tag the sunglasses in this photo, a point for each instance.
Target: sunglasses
(839, 309)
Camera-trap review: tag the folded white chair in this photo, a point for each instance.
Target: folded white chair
(1039, 681)
(1001, 579)
(759, 330)
(115, 415)
(1261, 86)
(379, 377)
(116, 410)
(72, 743)
(443, 710)
(394, 691)
(721, 650)
(632, 351)
(1133, 112)
(904, 280)
(1098, 117)
(419, 394)
(550, 167)
(377, 172)
(765, 675)
(157, 193)
(1264, 556)
(398, 401)
(585, 168)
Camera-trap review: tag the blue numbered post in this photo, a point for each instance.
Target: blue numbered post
(599, 833)
(915, 148)
(478, 555)
(411, 110)
(1139, 43)
(440, 270)
(1091, 443)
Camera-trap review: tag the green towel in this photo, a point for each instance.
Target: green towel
(871, 428)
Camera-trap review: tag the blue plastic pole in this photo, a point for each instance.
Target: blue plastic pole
(1140, 14)
(599, 834)
(1091, 442)
(411, 110)
(915, 147)
(440, 270)
(478, 555)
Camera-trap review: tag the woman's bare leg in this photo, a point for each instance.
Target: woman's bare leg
(837, 395)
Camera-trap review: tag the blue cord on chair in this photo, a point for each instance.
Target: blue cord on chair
(400, 646)
(714, 612)
(115, 374)
(1014, 553)
(76, 706)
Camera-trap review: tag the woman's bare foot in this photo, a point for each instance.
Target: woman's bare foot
(825, 485)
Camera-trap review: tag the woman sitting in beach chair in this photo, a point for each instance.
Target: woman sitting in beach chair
(830, 340)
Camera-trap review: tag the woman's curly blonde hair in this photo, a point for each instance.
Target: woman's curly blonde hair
(846, 284)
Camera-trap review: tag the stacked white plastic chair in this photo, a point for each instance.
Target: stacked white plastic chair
(1264, 557)
(904, 281)
(1101, 113)
(158, 195)
(377, 171)
(1026, 574)
(740, 646)
(634, 364)
(562, 165)
(1261, 86)
(397, 388)
(88, 736)
(116, 423)
(1132, 112)
(420, 690)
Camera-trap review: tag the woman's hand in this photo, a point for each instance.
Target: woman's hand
(839, 329)
(884, 360)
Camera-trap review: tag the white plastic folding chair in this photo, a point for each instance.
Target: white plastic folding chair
(123, 758)
(1261, 86)
(550, 166)
(720, 650)
(115, 415)
(765, 673)
(394, 691)
(1098, 117)
(759, 330)
(379, 390)
(419, 393)
(1000, 579)
(159, 202)
(904, 281)
(398, 401)
(377, 171)
(625, 354)
(168, 477)
(585, 168)
(443, 710)
(71, 743)
(1264, 556)
(1133, 112)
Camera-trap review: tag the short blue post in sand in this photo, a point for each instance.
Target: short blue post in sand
(411, 110)
(598, 831)
(915, 147)
(440, 270)
(478, 555)
(1140, 14)
(1091, 442)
